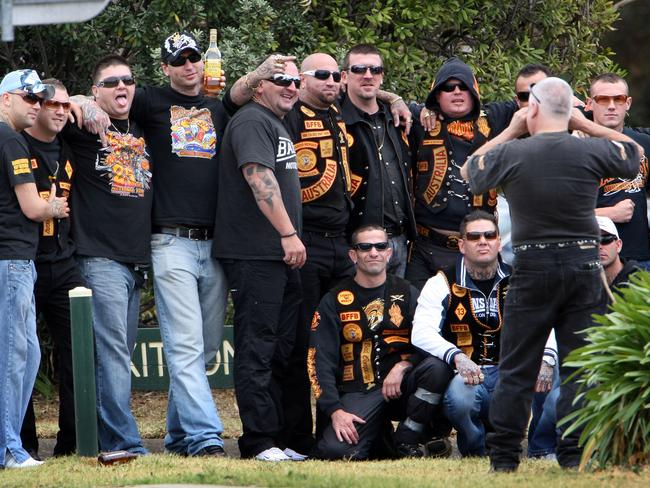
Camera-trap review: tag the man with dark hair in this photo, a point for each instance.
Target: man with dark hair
(363, 368)
(111, 226)
(622, 200)
(442, 198)
(379, 155)
(556, 281)
(21, 93)
(459, 320)
(526, 78)
(183, 130)
(56, 270)
(261, 251)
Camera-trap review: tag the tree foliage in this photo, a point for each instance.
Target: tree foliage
(415, 36)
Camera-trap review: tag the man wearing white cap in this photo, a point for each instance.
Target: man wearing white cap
(21, 93)
(617, 269)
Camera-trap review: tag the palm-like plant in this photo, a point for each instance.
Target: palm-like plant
(614, 370)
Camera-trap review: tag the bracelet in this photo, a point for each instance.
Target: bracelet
(295, 232)
(395, 100)
(248, 85)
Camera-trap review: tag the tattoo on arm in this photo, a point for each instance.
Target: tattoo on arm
(263, 183)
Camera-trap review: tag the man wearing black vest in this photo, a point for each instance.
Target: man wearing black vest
(57, 271)
(363, 368)
(459, 320)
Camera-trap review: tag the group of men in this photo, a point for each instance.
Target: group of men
(300, 192)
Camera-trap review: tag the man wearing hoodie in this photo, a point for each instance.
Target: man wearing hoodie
(442, 198)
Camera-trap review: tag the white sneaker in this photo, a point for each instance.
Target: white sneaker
(273, 454)
(294, 456)
(11, 463)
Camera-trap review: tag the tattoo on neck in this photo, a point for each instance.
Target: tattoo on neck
(482, 274)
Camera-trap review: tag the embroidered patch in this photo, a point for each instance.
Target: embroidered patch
(347, 352)
(348, 372)
(350, 139)
(352, 332)
(460, 311)
(307, 112)
(458, 291)
(21, 166)
(350, 316)
(374, 313)
(323, 184)
(459, 327)
(68, 169)
(313, 124)
(345, 297)
(326, 148)
(463, 339)
(436, 129)
(366, 362)
(395, 313)
(315, 321)
(34, 164)
(306, 160)
(315, 134)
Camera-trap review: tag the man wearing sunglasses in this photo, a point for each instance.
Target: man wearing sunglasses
(261, 251)
(111, 228)
(459, 319)
(442, 197)
(622, 200)
(57, 271)
(617, 268)
(21, 95)
(379, 154)
(364, 371)
(551, 182)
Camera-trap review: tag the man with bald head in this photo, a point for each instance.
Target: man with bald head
(319, 136)
(556, 281)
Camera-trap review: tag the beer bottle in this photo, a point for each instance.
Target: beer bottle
(212, 67)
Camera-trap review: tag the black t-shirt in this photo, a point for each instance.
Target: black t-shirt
(636, 242)
(110, 203)
(551, 182)
(183, 134)
(254, 135)
(52, 164)
(18, 234)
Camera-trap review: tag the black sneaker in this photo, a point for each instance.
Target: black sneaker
(503, 468)
(409, 451)
(439, 447)
(214, 451)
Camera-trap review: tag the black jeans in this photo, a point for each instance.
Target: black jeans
(266, 296)
(51, 295)
(549, 288)
(426, 260)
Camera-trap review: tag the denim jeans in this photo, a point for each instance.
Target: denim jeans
(550, 288)
(191, 296)
(542, 431)
(19, 352)
(116, 309)
(467, 408)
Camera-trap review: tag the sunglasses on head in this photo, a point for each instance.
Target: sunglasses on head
(192, 57)
(607, 239)
(360, 69)
(450, 87)
(30, 98)
(323, 74)
(489, 235)
(605, 100)
(113, 81)
(55, 105)
(367, 246)
(281, 79)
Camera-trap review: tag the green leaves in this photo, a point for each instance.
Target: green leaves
(614, 371)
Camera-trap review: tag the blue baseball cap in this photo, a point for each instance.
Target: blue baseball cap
(26, 80)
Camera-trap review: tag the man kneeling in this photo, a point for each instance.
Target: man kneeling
(363, 368)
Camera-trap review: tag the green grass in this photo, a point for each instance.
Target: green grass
(160, 468)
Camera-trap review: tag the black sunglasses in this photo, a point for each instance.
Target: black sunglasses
(281, 79)
(113, 81)
(524, 96)
(607, 239)
(450, 87)
(323, 74)
(192, 57)
(360, 69)
(367, 246)
(489, 235)
(29, 98)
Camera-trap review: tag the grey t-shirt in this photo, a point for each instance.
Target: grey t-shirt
(254, 135)
(551, 182)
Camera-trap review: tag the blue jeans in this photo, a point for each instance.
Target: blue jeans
(20, 354)
(191, 295)
(542, 432)
(467, 408)
(116, 309)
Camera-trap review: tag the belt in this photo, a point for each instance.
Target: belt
(581, 243)
(192, 233)
(443, 240)
(395, 231)
(327, 234)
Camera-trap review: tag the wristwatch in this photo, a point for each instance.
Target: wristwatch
(550, 360)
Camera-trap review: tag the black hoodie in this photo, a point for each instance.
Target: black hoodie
(455, 68)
